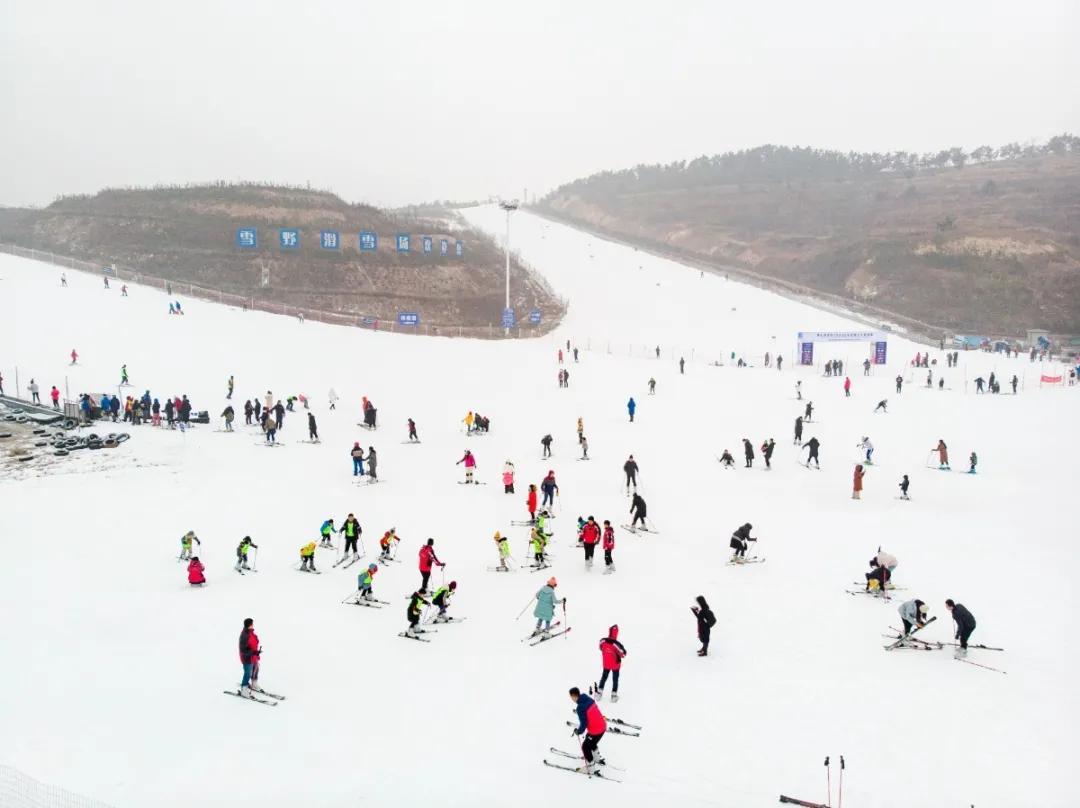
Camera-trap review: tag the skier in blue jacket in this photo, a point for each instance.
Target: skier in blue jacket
(631, 406)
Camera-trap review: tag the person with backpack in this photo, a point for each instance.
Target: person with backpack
(612, 653)
(705, 621)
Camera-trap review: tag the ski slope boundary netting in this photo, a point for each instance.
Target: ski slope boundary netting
(18, 790)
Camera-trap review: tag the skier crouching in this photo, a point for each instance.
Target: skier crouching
(739, 540)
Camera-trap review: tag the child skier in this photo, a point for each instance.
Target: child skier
(974, 460)
(856, 489)
(386, 543)
(327, 530)
(195, 574)
(470, 465)
(508, 478)
(609, 547)
(307, 557)
(364, 583)
(867, 447)
(416, 603)
(530, 503)
(185, 545)
(503, 545)
(546, 601)
(352, 530)
(537, 544)
(590, 537)
(441, 598)
(904, 483)
(242, 553)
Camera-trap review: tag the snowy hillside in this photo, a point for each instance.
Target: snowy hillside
(115, 666)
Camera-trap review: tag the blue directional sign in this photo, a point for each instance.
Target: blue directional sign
(444, 247)
(408, 318)
(247, 238)
(402, 242)
(369, 242)
(508, 318)
(289, 239)
(428, 243)
(330, 239)
(534, 316)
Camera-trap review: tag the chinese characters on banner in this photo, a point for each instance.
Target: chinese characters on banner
(408, 318)
(428, 243)
(330, 239)
(247, 238)
(289, 239)
(879, 352)
(806, 354)
(368, 241)
(403, 242)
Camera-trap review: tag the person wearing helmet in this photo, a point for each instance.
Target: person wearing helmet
(242, 553)
(611, 652)
(327, 531)
(590, 537)
(352, 530)
(913, 613)
(417, 601)
(538, 545)
(364, 581)
(386, 543)
(739, 540)
(441, 598)
(503, 543)
(546, 601)
(185, 545)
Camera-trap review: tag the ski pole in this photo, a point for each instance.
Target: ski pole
(363, 550)
(840, 796)
(828, 782)
(527, 605)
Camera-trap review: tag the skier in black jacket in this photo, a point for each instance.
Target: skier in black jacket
(739, 541)
(705, 621)
(965, 625)
(798, 430)
(630, 467)
(546, 443)
(637, 507)
(748, 452)
(767, 450)
(813, 445)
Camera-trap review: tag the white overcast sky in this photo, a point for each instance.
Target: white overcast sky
(397, 102)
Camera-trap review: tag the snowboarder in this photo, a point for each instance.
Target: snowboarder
(372, 464)
(590, 537)
(352, 530)
(748, 453)
(357, 455)
(228, 414)
(326, 531)
(195, 574)
(974, 460)
(508, 477)
(414, 610)
(965, 625)
(441, 598)
(813, 444)
(427, 559)
(591, 724)
(365, 581)
(609, 547)
(470, 465)
(904, 483)
(413, 437)
(307, 557)
(638, 508)
(386, 543)
(767, 451)
(856, 488)
(185, 544)
(943, 454)
(250, 653)
(546, 601)
(312, 428)
(242, 553)
(631, 469)
(631, 406)
(798, 430)
(726, 460)
(739, 542)
(705, 621)
(913, 613)
(546, 443)
(882, 405)
(612, 653)
(549, 488)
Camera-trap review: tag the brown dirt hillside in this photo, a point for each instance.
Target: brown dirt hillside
(189, 235)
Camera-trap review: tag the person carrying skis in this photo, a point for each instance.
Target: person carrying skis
(631, 469)
(726, 460)
(312, 428)
(185, 544)
(441, 598)
(372, 464)
(591, 724)
(813, 444)
(470, 466)
(417, 601)
(652, 387)
(913, 613)
(530, 503)
(195, 574)
(546, 443)
(705, 621)
(546, 601)
(387, 541)
(549, 488)
(357, 455)
(965, 625)
(904, 483)
(612, 653)
(943, 454)
(412, 431)
(228, 414)
(857, 484)
(867, 447)
(307, 557)
(242, 553)
(590, 537)
(739, 542)
(427, 559)
(766, 450)
(364, 582)
(974, 461)
(609, 547)
(250, 653)
(352, 530)
(882, 405)
(631, 407)
(326, 531)
(638, 508)
(502, 543)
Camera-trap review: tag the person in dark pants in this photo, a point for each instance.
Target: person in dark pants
(372, 462)
(631, 469)
(415, 609)
(813, 444)
(638, 508)
(352, 530)
(249, 657)
(798, 430)
(767, 450)
(412, 431)
(590, 537)
(546, 443)
(705, 621)
(427, 559)
(748, 453)
(592, 725)
(612, 652)
(312, 428)
(913, 614)
(739, 541)
(965, 625)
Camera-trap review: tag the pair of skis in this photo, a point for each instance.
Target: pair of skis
(264, 697)
(746, 560)
(416, 633)
(908, 641)
(617, 727)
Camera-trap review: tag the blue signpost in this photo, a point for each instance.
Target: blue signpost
(428, 244)
(289, 239)
(369, 242)
(247, 238)
(534, 316)
(444, 247)
(402, 242)
(508, 318)
(459, 249)
(329, 239)
(408, 318)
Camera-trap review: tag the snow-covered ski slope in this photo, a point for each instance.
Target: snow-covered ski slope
(113, 666)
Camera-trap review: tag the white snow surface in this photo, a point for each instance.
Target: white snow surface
(114, 667)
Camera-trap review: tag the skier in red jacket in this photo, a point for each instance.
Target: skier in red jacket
(590, 536)
(427, 558)
(612, 653)
(609, 547)
(249, 657)
(195, 574)
(530, 503)
(591, 724)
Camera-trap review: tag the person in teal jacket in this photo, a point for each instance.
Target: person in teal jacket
(546, 601)
(364, 581)
(327, 530)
